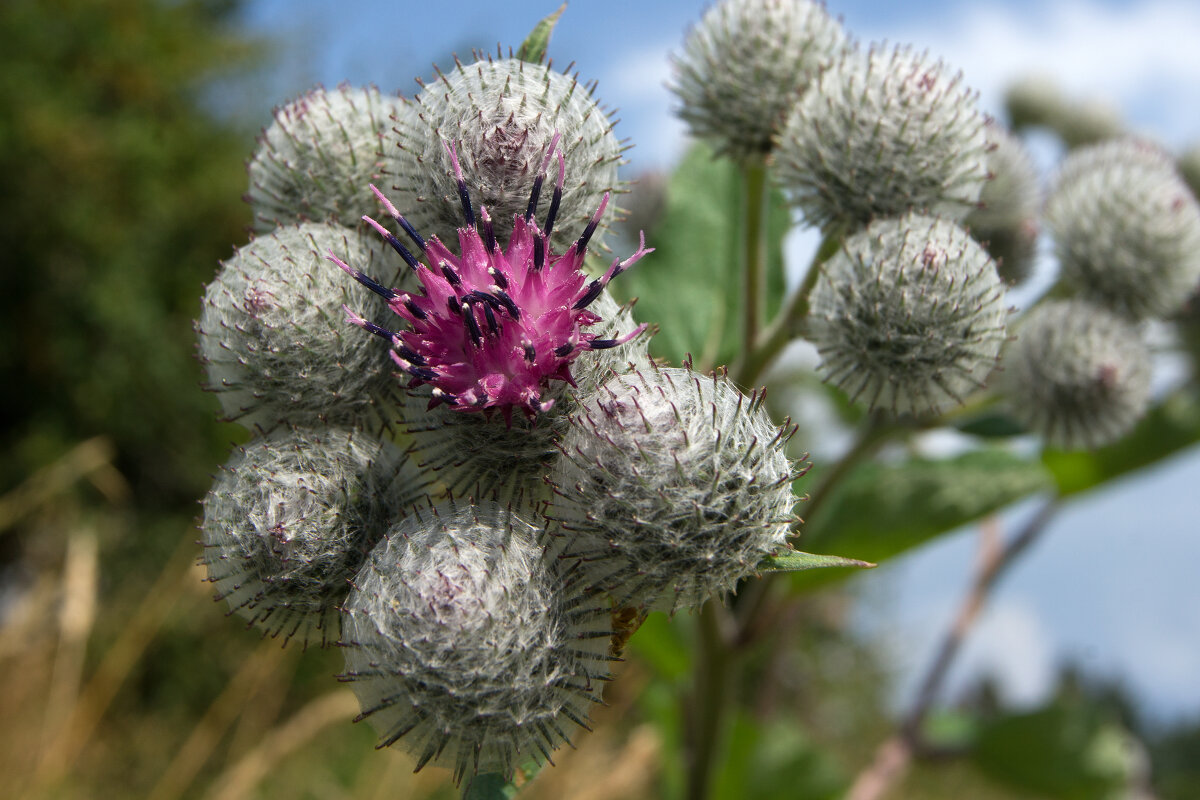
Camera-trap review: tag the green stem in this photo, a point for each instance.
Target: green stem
(710, 699)
(754, 253)
(762, 350)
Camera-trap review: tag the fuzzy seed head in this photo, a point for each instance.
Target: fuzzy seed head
(672, 487)
(492, 327)
(318, 153)
(1006, 221)
(745, 64)
(909, 315)
(503, 116)
(1077, 374)
(1126, 228)
(882, 134)
(290, 520)
(464, 645)
(273, 339)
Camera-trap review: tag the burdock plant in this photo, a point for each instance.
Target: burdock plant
(470, 466)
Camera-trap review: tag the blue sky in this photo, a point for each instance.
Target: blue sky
(1114, 585)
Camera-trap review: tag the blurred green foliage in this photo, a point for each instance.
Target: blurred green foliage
(118, 194)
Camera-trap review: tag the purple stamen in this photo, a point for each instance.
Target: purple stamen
(396, 244)
(463, 195)
(396, 215)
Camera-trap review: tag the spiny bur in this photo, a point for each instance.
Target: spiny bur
(467, 647)
(745, 64)
(290, 519)
(1077, 374)
(908, 316)
(881, 134)
(274, 340)
(672, 487)
(319, 152)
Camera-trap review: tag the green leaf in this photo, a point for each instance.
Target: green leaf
(691, 286)
(880, 510)
(796, 561)
(533, 49)
(1070, 752)
(991, 425)
(1168, 428)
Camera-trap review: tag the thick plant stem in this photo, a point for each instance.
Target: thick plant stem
(894, 755)
(754, 248)
(710, 699)
(763, 349)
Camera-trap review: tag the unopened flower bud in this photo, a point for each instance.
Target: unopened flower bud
(502, 116)
(290, 520)
(467, 647)
(316, 158)
(882, 134)
(745, 64)
(1006, 222)
(1126, 228)
(672, 487)
(273, 337)
(1077, 374)
(909, 315)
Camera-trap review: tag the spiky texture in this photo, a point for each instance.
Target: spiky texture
(466, 647)
(491, 329)
(745, 64)
(273, 338)
(909, 315)
(471, 455)
(319, 153)
(673, 487)
(502, 115)
(1006, 222)
(882, 134)
(290, 519)
(1126, 228)
(1077, 374)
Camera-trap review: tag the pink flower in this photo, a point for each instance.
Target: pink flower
(492, 327)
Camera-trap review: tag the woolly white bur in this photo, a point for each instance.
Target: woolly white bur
(909, 315)
(467, 647)
(472, 454)
(881, 134)
(1077, 374)
(745, 63)
(672, 488)
(318, 153)
(1006, 221)
(1126, 228)
(502, 115)
(273, 338)
(289, 521)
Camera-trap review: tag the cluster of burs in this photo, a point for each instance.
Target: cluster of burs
(935, 208)
(480, 569)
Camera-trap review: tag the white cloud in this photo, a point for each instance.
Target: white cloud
(1142, 57)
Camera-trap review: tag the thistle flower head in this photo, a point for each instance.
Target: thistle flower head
(908, 315)
(1077, 374)
(1126, 228)
(467, 647)
(882, 134)
(490, 328)
(290, 519)
(672, 487)
(744, 65)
